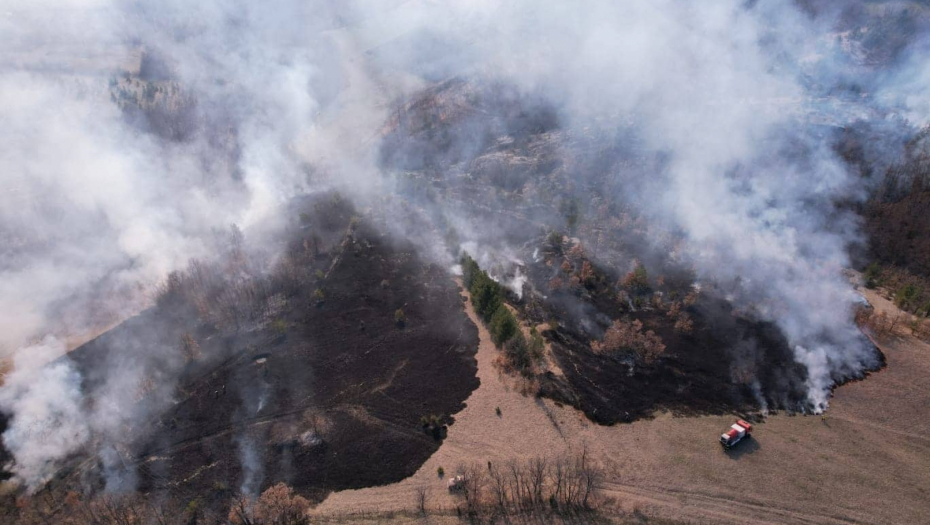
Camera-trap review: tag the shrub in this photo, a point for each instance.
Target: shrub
(440, 471)
(318, 295)
(469, 270)
(587, 275)
(872, 274)
(278, 505)
(503, 326)
(626, 335)
(517, 352)
(431, 420)
(684, 324)
(486, 295)
(400, 318)
(906, 296)
(637, 281)
(537, 345)
(279, 326)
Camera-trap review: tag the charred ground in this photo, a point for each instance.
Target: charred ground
(545, 194)
(322, 390)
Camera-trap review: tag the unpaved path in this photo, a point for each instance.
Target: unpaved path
(867, 462)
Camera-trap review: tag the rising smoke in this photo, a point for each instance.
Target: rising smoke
(276, 99)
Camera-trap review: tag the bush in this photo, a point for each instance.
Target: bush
(400, 318)
(624, 335)
(537, 345)
(486, 296)
(279, 326)
(906, 297)
(518, 354)
(503, 326)
(637, 281)
(872, 275)
(278, 505)
(431, 420)
(469, 270)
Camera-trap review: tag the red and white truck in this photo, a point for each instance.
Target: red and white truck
(735, 434)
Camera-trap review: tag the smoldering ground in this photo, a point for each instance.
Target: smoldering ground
(278, 100)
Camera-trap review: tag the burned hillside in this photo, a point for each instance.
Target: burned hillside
(291, 251)
(568, 254)
(308, 375)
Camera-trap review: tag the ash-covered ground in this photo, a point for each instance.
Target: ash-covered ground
(561, 234)
(666, 201)
(323, 391)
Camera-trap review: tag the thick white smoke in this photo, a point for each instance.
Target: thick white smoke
(47, 401)
(718, 89)
(92, 207)
(95, 211)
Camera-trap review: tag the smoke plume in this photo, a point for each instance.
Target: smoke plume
(148, 127)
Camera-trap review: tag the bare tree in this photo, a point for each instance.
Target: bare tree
(499, 487)
(474, 481)
(420, 497)
(538, 469)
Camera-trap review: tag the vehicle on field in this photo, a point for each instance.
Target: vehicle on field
(457, 484)
(736, 433)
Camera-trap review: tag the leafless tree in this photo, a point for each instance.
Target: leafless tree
(420, 497)
(538, 468)
(499, 487)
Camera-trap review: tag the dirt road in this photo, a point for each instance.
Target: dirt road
(868, 461)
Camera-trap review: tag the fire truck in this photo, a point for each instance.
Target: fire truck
(735, 434)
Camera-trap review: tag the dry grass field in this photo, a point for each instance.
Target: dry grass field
(867, 461)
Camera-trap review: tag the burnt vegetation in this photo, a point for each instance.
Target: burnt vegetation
(275, 385)
(623, 322)
(340, 360)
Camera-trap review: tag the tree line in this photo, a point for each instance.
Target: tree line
(488, 299)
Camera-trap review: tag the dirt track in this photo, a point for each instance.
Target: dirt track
(867, 462)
